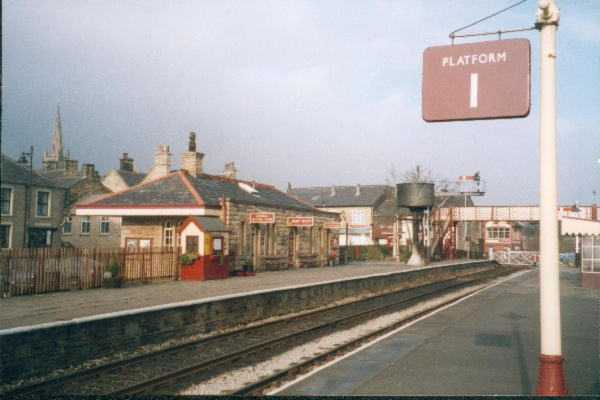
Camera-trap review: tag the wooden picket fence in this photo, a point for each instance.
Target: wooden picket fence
(31, 271)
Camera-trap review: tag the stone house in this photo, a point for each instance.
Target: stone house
(124, 177)
(263, 221)
(354, 204)
(32, 207)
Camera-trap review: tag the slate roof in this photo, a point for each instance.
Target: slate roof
(454, 201)
(52, 174)
(169, 190)
(132, 178)
(173, 190)
(211, 224)
(345, 196)
(388, 209)
(68, 182)
(13, 172)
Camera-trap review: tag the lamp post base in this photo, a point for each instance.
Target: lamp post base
(552, 379)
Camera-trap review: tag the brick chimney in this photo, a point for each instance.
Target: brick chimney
(126, 163)
(358, 189)
(162, 163)
(88, 170)
(71, 167)
(192, 160)
(289, 189)
(230, 172)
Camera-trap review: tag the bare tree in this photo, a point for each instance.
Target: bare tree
(418, 174)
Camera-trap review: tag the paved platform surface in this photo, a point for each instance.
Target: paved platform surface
(487, 344)
(21, 311)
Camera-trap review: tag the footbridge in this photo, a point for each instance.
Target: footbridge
(444, 220)
(508, 213)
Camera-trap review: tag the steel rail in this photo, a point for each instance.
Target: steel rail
(249, 351)
(242, 353)
(258, 387)
(104, 368)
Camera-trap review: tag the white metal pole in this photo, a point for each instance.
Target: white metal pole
(551, 353)
(467, 244)
(549, 282)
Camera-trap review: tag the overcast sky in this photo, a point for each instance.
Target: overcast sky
(309, 92)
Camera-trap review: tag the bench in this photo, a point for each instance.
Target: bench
(274, 262)
(306, 260)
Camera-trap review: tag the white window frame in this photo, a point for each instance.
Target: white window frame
(37, 193)
(89, 224)
(359, 221)
(591, 243)
(10, 233)
(11, 200)
(178, 234)
(69, 219)
(498, 233)
(105, 220)
(168, 233)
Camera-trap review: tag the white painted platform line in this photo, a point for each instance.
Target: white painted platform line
(474, 84)
(316, 370)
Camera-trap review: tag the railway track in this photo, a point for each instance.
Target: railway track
(168, 370)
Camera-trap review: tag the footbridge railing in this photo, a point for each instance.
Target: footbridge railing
(509, 213)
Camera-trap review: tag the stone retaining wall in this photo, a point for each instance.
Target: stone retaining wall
(29, 352)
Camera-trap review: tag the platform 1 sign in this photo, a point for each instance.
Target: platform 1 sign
(485, 80)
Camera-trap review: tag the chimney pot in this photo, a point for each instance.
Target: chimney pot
(230, 172)
(358, 189)
(332, 190)
(126, 163)
(192, 160)
(88, 170)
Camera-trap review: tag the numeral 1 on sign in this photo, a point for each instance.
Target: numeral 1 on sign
(474, 81)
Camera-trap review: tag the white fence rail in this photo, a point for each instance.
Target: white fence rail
(526, 258)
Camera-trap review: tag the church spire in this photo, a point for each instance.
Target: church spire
(57, 146)
(56, 156)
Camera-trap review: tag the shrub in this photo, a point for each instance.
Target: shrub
(114, 269)
(187, 258)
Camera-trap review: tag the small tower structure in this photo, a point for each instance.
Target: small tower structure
(56, 158)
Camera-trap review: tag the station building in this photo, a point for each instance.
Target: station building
(264, 222)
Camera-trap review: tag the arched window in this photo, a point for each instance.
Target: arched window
(169, 230)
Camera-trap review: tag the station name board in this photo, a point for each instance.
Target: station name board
(262, 218)
(300, 221)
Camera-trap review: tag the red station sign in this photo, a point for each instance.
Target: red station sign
(262, 218)
(300, 221)
(485, 80)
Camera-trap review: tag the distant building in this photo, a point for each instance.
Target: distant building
(124, 177)
(32, 207)
(356, 206)
(78, 185)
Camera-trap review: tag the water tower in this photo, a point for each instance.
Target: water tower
(417, 197)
